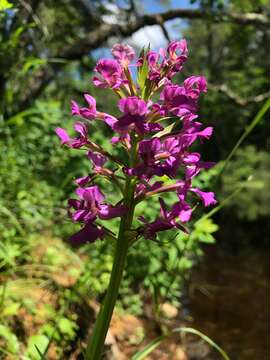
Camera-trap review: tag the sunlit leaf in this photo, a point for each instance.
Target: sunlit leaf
(37, 344)
(5, 5)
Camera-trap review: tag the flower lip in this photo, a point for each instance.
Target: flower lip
(177, 49)
(108, 68)
(75, 143)
(123, 53)
(89, 112)
(132, 105)
(111, 73)
(89, 233)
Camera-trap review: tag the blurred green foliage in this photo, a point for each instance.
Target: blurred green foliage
(253, 201)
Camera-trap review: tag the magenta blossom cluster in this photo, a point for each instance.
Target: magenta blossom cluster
(157, 137)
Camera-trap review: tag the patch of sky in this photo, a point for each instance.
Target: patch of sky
(149, 34)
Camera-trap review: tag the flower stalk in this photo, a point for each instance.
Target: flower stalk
(96, 343)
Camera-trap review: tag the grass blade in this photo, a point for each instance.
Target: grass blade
(13, 219)
(40, 353)
(155, 343)
(205, 338)
(140, 355)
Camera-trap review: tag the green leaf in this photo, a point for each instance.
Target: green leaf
(12, 218)
(143, 71)
(12, 343)
(33, 64)
(165, 131)
(205, 338)
(11, 309)
(140, 355)
(155, 343)
(4, 5)
(37, 344)
(39, 352)
(206, 238)
(206, 226)
(67, 326)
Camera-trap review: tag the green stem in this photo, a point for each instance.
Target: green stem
(96, 343)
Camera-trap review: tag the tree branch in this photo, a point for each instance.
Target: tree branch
(95, 38)
(238, 99)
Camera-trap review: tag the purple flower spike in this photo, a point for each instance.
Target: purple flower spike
(141, 150)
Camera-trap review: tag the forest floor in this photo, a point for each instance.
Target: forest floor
(34, 295)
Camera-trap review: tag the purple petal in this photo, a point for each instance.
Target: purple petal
(81, 129)
(206, 133)
(196, 83)
(90, 194)
(180, 46)
(97, 158)
(115, 139)
(132, 105)
(91, 101)
(81, 215)
(163, 211)
(82, 181)
(109, 211)
(123, 53)
(87, 113)
(89, 233)
(181, 210)
(208, 198)
(192, 158)
(152, 58)
(191, 171)
(110, 120)
(99, 83)
(63, 135)
(152, 127)
(75, 110)
(185, 215)
(74, 203)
